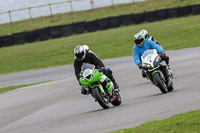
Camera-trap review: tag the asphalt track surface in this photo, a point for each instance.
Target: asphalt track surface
(58, 106)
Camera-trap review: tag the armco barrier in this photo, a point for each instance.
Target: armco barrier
(127, 19)
(31, 36)
(19, 38)
(103, 23)
(114, 21)
(195, 9)
(184, 11)
(138, 18)
(99, 24)
(151, 16)
(66, 30)
(43, 34)
(173, 12)
(7, 40)
(91, 26)
(55, 32)
(79, 27)
(162, 14)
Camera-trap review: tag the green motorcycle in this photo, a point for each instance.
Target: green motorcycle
(91, 79)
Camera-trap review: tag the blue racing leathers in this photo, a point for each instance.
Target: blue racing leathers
(138, 51)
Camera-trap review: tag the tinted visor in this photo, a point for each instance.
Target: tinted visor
(139, 41)
(80, 55)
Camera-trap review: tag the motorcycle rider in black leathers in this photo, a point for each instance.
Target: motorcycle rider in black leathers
(84, 55)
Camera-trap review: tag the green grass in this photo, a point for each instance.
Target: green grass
(182, 123)
(9, 88)
(172, 34)
(91, 14)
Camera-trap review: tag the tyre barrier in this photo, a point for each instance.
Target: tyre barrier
(19, 38)
(173, 12)
(43, 34)
(99, 24)
(138, 18)
(184, 11)
(31, 36)
(66, 30)
(162, 14)
(7, 40)
(151, 16)
(195, 9)
(127, 19)
(114, 21)
(103, 23)
(79, 27)
(91, 26)
(55, 32)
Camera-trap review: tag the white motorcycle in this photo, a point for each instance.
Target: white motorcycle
(157, 70)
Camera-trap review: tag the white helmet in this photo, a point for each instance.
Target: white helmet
(80, 51)
(139, 39)
(144, 33)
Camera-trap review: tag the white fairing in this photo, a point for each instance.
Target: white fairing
(149, 56)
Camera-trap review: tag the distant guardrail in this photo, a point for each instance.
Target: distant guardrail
(52, 8)
(98, 24)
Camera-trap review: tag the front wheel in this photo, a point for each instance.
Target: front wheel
(160, 82)
(101, 99)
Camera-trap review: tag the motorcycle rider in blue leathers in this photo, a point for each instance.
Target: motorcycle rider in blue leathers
(141, 45)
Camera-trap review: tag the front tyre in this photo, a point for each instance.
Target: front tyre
(101, 99)
(160, 82)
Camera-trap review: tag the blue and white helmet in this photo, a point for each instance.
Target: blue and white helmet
(80, 52)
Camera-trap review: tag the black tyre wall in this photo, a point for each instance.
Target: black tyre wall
(115, 21)
(162, 14)
(79, 27)
(0, 43)
(195, 9)
(7, 41)
(31, 36)
(19, 38)
(103, 23)
(173, 12)
(55, 32)
(127, 19)
(91, 26)
(184, 11)
(138, 18)
(151, 16)
(43, 34)
(67, 30)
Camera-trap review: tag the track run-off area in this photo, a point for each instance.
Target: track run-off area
(58, 106)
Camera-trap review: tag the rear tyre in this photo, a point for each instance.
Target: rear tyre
(160, 82)
(117, 101)
(171, 87)
(101, 99)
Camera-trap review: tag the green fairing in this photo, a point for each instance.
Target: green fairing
(96, 76)
(155, 72)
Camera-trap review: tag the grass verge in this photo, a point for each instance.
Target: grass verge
(182, 123)
(172, 34)
(9, 88)
(91, 14)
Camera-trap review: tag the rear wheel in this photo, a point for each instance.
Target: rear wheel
(160, 82)
(118, 100)
(101, 99)
(171, 87)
